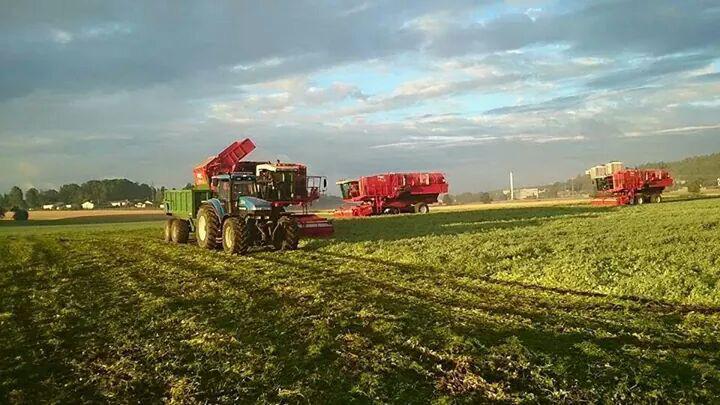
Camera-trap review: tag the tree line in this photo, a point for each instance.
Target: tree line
(100, 192)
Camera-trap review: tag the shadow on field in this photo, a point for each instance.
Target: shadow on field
(389, 228)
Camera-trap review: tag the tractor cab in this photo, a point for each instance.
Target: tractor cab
(238, 192)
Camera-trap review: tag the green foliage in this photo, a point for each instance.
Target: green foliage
(32, 198)
(538, 305)
(15, 198)
(694, 186)
(468, 198)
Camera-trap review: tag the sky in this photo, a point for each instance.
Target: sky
(146, 90)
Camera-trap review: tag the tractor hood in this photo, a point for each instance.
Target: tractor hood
(253, 204)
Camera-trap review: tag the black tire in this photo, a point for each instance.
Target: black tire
(657, 198)
(422, 208)
(180, 231)
(237, 237)
(287, 234)
(208, 228)
(640, 200)
(167, 232)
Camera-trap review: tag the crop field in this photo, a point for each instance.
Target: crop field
(519, 304)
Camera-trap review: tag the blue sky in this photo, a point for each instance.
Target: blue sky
(472, 88)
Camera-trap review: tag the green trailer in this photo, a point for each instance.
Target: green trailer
(182, 206)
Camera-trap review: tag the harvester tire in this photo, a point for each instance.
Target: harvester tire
(208, 227)
(237, 237)
(640, 200)
(167, 232)
(657, 198)
(287, 234)
(180, 231)
(422, 208)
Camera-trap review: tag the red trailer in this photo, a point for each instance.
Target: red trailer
(391, 193)
(631, 186)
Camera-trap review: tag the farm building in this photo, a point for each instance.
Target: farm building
(48, 206)
(88, 205)
(117, 204)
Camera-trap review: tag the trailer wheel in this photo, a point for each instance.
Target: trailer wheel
(180, 231)
(422, 208)
(287, 234)
(236, 238)
(167, 232)
(208, 227)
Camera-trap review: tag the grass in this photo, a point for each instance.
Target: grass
(540, 304)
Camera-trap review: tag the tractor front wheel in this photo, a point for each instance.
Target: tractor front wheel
(207, 228)
(180, 231)
(287, 234)
(237, 238)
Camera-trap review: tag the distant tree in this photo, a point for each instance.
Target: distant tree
(188, 186)
(49, 196)
(32, 198)
(20, 214)
(485, 198)
(694, 186)
(70, 193)
(15, 198)
(447, 199)
(159, 195)
(2, 212)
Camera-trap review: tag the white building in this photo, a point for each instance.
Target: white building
(123, 203)
(48, 206)
(88, 205)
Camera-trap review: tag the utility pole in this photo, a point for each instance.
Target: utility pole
(512, 187)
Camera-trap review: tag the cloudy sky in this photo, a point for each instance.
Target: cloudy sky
(145, 90)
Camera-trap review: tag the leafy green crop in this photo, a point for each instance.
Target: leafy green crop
(560, 304)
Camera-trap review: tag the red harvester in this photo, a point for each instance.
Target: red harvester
(391, 193)
(282, 184)
(619, 186)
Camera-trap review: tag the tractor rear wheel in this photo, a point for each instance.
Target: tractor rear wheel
(422, 208)
(180, 231)
(237, 238)
(167, 232)
(288, 234)
(208, 228)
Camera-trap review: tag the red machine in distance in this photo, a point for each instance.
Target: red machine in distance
(618, 186)
(281, 184)
(391, 193)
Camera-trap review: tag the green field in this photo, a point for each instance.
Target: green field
(553, 304)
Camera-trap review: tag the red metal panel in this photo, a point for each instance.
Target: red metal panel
(223, 162)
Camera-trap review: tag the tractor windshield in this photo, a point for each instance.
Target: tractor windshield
(243, 188)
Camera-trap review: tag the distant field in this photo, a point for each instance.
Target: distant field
(44, 215)
(516, 304)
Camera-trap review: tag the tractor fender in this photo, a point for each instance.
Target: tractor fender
(218, 207)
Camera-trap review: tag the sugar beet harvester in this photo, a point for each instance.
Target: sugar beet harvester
(239, 204)
(391, 193)
(616, 185)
